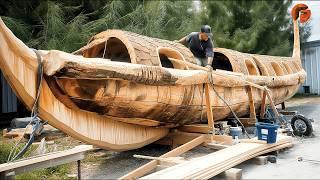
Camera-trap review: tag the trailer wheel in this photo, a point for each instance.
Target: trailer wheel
(301, 125)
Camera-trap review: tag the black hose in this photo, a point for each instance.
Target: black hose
(34, 113)
(233, 113)
(30, 141)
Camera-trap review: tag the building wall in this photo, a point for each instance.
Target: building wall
(8, 98)
(310, 57)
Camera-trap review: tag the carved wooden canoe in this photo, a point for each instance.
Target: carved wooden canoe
(123, 90)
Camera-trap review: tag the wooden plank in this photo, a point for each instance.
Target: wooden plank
(215, 161)
(18, 132)
(47, 160)
(153, 164)
(195, 128)
(209, 108)
(237, 161)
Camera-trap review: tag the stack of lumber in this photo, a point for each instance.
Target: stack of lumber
(48, 131)
(215, 163)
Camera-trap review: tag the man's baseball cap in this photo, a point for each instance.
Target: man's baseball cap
(206, 29)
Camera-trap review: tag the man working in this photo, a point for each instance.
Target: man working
(200, 44)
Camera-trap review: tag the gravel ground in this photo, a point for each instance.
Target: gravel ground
(114, 165)
(287, 166)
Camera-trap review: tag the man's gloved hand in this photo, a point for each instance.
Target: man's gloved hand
(209, 67)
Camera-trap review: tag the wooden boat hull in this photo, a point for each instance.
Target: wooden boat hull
(167, 97)
(175, 105)
(19, 66)
(129, 104)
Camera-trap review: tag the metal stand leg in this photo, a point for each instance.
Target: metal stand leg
(79, 169)
(283, 106)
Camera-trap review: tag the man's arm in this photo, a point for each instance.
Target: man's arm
(209, 55)
(183, 40)
(210, 59)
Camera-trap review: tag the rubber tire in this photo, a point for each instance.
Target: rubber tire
(309, 129)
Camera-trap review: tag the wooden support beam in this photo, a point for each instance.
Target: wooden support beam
(175, 152)
(170, 160)
(179, 137)
(263, 103)
(260, 160)
(272, 104)
(251, 103)
(231, 174)
(223, 139)
(7, 175)
(216, 146)
(209, 109)
(248, 122)
(195, 128)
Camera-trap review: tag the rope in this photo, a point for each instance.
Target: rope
(201, 116)
(35, 120)
(233, 113)
(105, 47)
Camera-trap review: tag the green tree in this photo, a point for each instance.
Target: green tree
(46, 24)
(261, 27)
(162, 19)
(68, 25)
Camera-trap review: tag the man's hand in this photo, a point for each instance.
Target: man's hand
(209, 67)
(209, 63)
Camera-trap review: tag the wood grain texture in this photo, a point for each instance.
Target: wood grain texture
(18, 64)
(141, 49)
(125, 90)
(215, 163)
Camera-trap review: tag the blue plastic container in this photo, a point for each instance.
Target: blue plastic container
(235, 132)
(267, 132)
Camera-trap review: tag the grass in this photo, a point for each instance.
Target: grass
(5, 149)
(56, 172)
